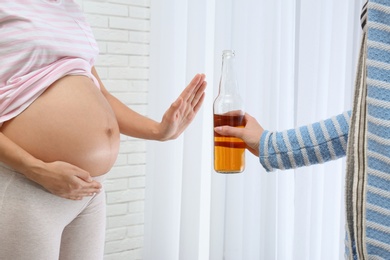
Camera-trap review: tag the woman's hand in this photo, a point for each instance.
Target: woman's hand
(65, 180)
(250, 134)
(181, 113)
(60, 178)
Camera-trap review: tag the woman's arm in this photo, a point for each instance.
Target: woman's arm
(60, 178)
(175, 120)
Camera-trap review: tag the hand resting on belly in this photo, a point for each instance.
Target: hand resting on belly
(72, 133)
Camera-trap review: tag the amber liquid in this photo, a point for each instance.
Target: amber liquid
(229, 152)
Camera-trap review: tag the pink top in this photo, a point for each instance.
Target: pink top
(40, 42)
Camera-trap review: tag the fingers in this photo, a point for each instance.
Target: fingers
(251, 140)
(68, 181)
(183, 110)
(88, 187)
(229, 131)
(195, 101)
(199, 95)
(84, 175)
(87, 181)
(191, 99)
(190, 92)
(83, 185)
(81, 189)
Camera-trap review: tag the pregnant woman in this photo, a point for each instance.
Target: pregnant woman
(59, 132)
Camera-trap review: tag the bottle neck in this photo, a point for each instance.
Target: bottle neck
(228, 84)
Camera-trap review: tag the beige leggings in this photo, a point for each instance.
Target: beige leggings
(37, 225)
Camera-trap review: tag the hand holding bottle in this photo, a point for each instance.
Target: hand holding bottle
(250, 134)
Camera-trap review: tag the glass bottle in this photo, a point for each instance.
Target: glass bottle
(229, 152)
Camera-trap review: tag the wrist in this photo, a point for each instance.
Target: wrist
(160, 132)
(156, 132)
(32, 168)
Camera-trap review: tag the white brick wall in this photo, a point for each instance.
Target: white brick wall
(121, 28)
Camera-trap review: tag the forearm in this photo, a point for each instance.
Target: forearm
(307, 145)
(17, 158)
(132, 123)
(174, 121)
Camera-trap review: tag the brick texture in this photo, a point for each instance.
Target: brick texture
(121, 28)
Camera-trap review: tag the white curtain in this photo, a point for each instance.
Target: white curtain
(295, 65)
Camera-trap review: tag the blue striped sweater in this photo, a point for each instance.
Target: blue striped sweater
(368, 176)
(312, 144)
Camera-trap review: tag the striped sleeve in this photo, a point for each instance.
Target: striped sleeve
(312, 144)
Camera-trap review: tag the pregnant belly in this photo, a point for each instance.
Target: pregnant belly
(71, 122)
